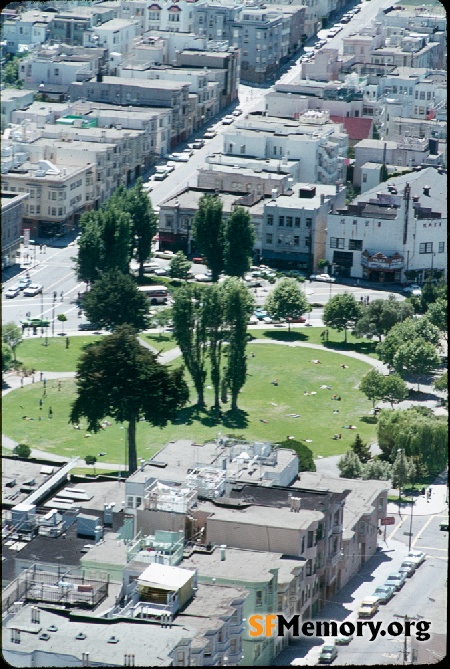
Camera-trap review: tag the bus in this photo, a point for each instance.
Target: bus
(155, 294)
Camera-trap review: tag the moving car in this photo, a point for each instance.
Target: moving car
(89, 326)
(413, 289)
(328, 654)
(24, 283)
(396, 579)
(296, 319)
(368, 607)
(322, 277)
(384, 593)
(12, 291)
(32, 290)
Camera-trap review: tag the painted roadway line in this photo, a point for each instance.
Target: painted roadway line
(397, 528)
(419, 534)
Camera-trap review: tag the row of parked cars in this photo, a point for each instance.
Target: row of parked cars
(370, 605)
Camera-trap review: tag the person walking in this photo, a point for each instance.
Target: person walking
(50, 412)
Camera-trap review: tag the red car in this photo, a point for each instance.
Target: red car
(298, 319)
(198, 261)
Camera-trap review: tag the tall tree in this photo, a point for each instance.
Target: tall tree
(209, 230)
(89, 262)
(394, 389)
(287, 300)
(350, 466)
(361, 449)
(238, 243)
(12, 335)
(377, 469)
(417, 358)
(213, 306)
(404, 332)
(180, 266)
(189, 330)
(438, 316)
(378, 317)
(341, 312)
(238, 307)
(372, 385)
(116, 300)
(116, 228)
(144, 222)
(118, 377)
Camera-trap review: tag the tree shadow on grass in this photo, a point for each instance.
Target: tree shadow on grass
(276, 335)
(235, 419)
(211, 417)
(371, 420)
(366, 347)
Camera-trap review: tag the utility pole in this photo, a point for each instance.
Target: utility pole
(406, 628)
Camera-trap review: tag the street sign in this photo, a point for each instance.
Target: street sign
(389, 520)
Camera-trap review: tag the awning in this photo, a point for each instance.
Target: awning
(168, 237)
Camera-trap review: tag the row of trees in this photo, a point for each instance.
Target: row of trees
(227, 245)
(204, 319)
(120, 230)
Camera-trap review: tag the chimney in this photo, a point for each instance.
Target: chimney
(337, 187)
(426, 191)
(295, 504)
(274, 193)
(322, 198)
(223, 554)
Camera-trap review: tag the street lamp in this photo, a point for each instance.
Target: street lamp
(53, 314)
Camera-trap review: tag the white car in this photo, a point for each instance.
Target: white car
(160, 272)
(160, 176)
(166, 255)
(12, 291)
(202, 277)
(237, 112)
(32, 290)
(322, 277)
(413, 289)
(227, 120)
(416, 556)
(179, 157)
(170, 166)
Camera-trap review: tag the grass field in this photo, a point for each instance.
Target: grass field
(55, 357)
(259, 401)
(162, 342)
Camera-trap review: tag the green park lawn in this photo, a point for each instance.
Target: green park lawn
(161, 341)
(34, 354)
(259, 401)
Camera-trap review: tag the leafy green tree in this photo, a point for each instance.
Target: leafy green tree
(361, 449)
(62, 318)
(216, 328)
(441, 383)
(341, 312)
(372, 385)
(22, 451)
(287, 300)
(162, 318)
(403, 471)
(305, 455)
(238, 307)
(405, 332)
(7, 357)
(144, 223)
(419, 432)
(394, 389)
(437, 315)
(10, 73)
(90, 460)
(118, 377)
(417, 358)
(377, 469)
(378, 317)
(209, 233)
(180, 266)
(114, 300)
(239, 240)
(190, 332)
(88, 261)
(350, 466)
(12, 335)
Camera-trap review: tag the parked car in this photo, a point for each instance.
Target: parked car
(198, 143)
(343, 639)
(89, 326)
(160, 272)
(413, 289)
(345, 19)
(202, 277)
(322, 277)
(179, 157)
(24, 283)
(368, 607)
(253, 320)
(407, 567)
(416, 556)
(32, 290)
(166, 255)
(261, 314)
(170, 166)
(160, 176)
(12, 291)
(384, 593)
(328, 654)
(237, 112)
(189, 152)
(397, 579)
(227, 120)
(209, 134)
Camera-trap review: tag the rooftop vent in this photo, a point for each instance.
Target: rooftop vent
(426, 190)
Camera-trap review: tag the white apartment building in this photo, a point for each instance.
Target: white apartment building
(397, 227)
(27, 29)
(320, 146)
(12, 99)
(116, 35)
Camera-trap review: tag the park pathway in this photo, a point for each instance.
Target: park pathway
(13, 381)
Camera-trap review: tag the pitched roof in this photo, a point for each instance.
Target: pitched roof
(356, 128)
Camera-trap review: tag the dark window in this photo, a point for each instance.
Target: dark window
(281, 221)
(337, 242)
(426, 247)
(441, 248)
(270, 220)
(297, 222)
(355, 245)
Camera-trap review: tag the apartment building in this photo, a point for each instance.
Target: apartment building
(116, 35)
(319, 145)
(52, 65)
(222, 64)
(13, 208)
(214, 18)
(397, 227)
(141, 93)
(70, 25)
(28, 28)
(12, 99)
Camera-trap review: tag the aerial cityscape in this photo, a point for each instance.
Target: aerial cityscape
(224, 333)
